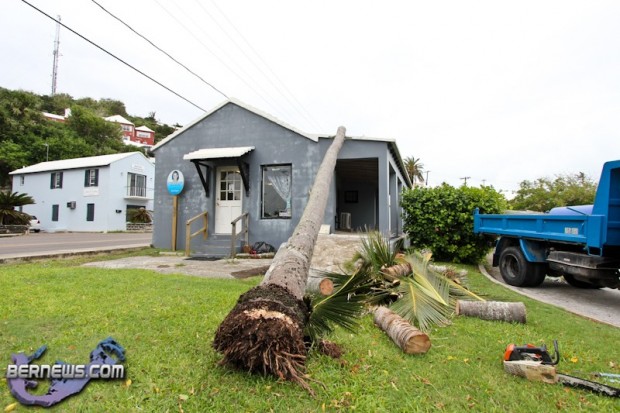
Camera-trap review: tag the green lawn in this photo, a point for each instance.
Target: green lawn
(167, 323)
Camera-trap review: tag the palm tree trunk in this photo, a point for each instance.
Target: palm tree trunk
(403, 334)
(264, 331)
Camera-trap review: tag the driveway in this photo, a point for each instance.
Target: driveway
(601, 305)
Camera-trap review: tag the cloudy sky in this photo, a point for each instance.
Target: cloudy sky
(497, 91)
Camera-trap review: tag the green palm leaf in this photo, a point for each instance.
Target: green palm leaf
(342, 308)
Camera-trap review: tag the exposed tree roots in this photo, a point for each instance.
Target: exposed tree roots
(264, 334)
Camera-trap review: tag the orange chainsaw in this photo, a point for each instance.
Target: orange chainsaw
(535, 363)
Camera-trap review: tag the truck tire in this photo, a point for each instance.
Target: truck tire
(518, 271)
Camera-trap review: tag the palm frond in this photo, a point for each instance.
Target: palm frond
(420, 308)
(343, 308)
(376, 252)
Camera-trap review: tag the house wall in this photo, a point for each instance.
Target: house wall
(232, 126)
(107, 197)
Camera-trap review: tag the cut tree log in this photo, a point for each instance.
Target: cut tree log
(319, 284)
(492, 310)
(399, 270)
(264, 332)
(408, 338)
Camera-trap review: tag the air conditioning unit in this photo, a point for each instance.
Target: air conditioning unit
(345, 221)
(71, 204)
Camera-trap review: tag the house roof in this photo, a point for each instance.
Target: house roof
(216, 153)
(245, 106)
(144, 128)
(53, 116)
(76, 163)
(118, 119)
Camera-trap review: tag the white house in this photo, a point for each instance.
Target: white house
(87, 194)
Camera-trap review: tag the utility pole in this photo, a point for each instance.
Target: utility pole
(465, 178)
(56, 56)
(426, 182)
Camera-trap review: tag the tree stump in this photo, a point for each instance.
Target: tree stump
(492, 310)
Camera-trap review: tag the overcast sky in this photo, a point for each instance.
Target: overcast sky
(496, 91)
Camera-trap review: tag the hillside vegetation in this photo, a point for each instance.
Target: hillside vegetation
(27, 137)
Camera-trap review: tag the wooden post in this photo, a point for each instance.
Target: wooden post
(175, 208)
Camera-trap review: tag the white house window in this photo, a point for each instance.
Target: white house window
(143, 135)
(91, 177)
(56, 180)
(136, 185)
(22, 179)
(276, 192)
(127, 128)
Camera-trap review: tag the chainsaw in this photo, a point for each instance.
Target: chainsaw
(535, 363)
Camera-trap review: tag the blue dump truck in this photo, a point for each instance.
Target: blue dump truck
(580, 243)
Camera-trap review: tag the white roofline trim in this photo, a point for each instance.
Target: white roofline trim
(75, 163)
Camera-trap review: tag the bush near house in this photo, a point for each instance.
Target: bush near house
(441, 219)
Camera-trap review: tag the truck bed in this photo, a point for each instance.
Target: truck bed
(587, 230)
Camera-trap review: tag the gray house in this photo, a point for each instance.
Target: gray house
(237, 159)
(87, 194)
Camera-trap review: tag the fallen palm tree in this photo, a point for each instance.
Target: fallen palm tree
(265, 330)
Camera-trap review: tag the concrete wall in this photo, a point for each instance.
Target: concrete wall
(233, 126)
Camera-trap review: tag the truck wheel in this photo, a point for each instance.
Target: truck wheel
(536, 274)
(517, 271)
(579, 284)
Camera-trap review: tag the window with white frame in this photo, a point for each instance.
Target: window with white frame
(91, 177)
(136, 185)
(56, 180)
(276, 193)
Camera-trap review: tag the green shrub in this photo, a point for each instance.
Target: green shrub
(441, 219)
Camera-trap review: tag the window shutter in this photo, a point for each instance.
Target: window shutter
(96, 177)
(52, 180)
(86, 176)
(60, 186)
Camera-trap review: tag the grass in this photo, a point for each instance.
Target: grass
(167, 324)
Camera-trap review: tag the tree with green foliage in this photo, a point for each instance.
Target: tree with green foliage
(441, 219)
(8, 202)
(105, 137)
(565, 190)
(415, 169)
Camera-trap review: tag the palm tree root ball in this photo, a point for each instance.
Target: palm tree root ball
(264, 333)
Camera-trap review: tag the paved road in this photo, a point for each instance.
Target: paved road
(60, 243)
(602, 305)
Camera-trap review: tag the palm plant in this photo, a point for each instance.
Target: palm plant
(415, 169)
(140, 215)
(8, 202)
(423, 294)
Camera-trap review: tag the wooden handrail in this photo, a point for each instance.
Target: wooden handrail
(204, 230)
(244, 230)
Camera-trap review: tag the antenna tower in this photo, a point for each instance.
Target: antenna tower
(56, 56)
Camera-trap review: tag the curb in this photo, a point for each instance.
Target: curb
(68, 254)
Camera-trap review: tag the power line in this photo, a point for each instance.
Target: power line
(295, 102)
(160, 49)
(226, 65)
(114, 56)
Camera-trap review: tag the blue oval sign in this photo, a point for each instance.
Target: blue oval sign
(175, 182)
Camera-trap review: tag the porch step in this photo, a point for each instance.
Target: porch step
(215, 247)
